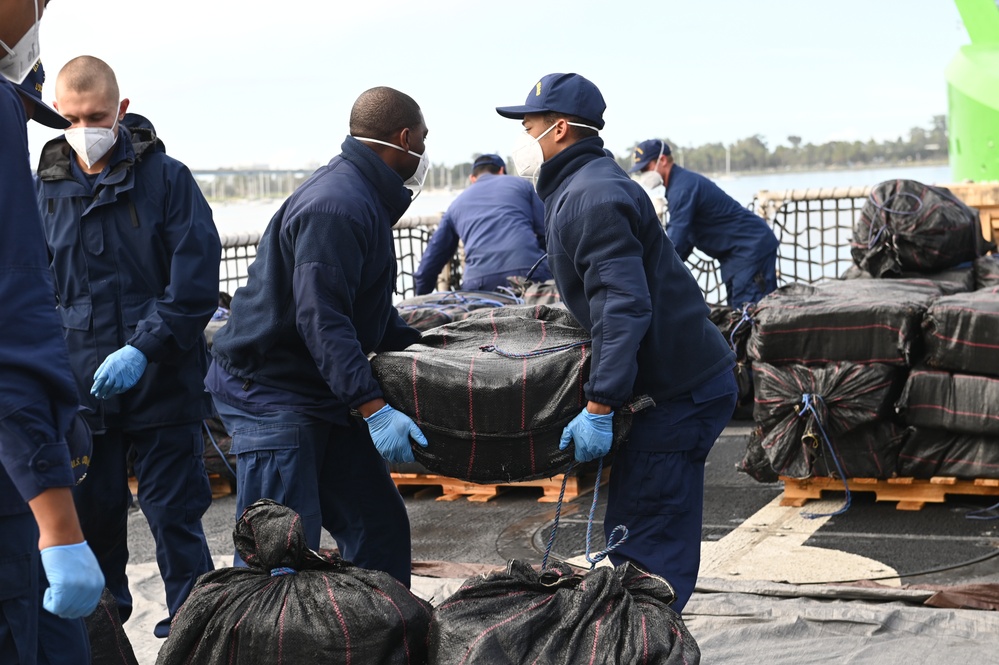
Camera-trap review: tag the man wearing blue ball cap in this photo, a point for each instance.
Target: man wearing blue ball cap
(619, 275)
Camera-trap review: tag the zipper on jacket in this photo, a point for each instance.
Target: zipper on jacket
(133, 213)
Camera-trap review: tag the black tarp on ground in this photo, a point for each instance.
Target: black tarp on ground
(108, 643)
(961, 333)
(325, 611)
(959, 279)
(959, 403)
(852, 396)
(435, 309)
(864, 321)
(987, 271)
(908, 226)
(492, 393)
(929, 452)
(609, 616)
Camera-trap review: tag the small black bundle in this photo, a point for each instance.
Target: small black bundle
(607, 616)
(109, 644)
(293, 605)
(435, 309)
(862, 321)
(987, 271)
(908, 226)
(798, 407)
(735, 326)
(960, 333)
(959, 403)
(492, 393)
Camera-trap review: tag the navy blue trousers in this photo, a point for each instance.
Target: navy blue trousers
(28, 634)
(749, 283)
(174, 494)
(657, 483)
(331, 475)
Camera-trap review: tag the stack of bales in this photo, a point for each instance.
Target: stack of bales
(830, 361)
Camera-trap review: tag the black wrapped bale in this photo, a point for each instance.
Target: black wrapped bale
(862, 321)
(987, 271)
(609, 616)
(961, 333)
(218, 454)
(492, 393)
(959, 403)
(928, 452)
(535, 293)
(109, 644)
(435, 309)
(960, 279)
(293, 605)
(851, 395)
(736, 326)
(755, 462)
(908, 226)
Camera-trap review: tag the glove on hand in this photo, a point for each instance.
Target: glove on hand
(592, 433)
(119, 372)
(391, 430)
(75, 580)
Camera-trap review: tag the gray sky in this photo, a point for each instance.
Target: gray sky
(242, 82)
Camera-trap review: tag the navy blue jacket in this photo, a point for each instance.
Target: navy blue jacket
(37, 393)
(318, 298)
(501, 222)
(135, 262)
(701, 215)
(621, 278)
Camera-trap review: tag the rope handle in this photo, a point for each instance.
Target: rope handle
(808, 402)
(492, 348)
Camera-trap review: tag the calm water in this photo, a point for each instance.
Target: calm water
(253, 215)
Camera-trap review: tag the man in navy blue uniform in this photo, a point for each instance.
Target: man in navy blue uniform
(621, 278)
(701, 215)
(38, 400)
(292, 363)
(501, 223)
(135, 256)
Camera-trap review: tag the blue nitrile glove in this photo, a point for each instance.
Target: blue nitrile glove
(592, 433)
(390, 430)
(119, 372)
(75, 580)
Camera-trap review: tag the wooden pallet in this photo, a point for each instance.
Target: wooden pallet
(910, 493)
(455, 488)
(220, 485)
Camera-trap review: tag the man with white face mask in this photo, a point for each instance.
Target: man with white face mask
(619, 276)
(46, 567)
(291, 364)
(135, 256)
(701, 215)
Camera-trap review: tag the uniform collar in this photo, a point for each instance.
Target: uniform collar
(386, 181)
(567, 162)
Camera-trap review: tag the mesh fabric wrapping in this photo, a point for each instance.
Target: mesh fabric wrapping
(961, 333)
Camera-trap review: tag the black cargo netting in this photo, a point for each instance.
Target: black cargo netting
(865, 321)
(109, 644)
(930, 452)
(812, 418)
(608, 616)
(959, 403)
(492, 393)
(435, 309)
(906, 225)
(987, 271)
(961, 333)
(293, 605)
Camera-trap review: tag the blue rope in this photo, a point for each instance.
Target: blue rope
(492, 348)
(221, 454)
(808, 401)
(980, 514)
(883, 207)
(283, 570)
(746, 318)
(537, 264)
(619, 529)
(558, 515)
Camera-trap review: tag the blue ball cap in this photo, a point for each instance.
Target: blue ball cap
(31, 89)
(570, 94)
(646, 151)
(495, 160)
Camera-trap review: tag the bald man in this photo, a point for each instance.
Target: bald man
(135, 256)
(292, 364)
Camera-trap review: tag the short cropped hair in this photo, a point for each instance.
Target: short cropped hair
(381, 112)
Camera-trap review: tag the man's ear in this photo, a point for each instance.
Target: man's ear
(502, 171)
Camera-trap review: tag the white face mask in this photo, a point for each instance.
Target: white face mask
(648, 179)
(18, 61)
(527, 153)
(92, 143)
(414, 182)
